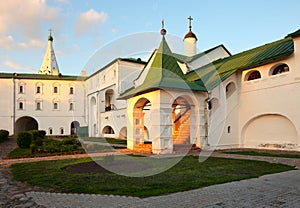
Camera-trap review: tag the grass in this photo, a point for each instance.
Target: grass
(186, 175)
(254, 153)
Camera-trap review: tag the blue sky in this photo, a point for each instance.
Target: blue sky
(80, 28)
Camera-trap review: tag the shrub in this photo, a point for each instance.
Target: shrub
(3, 135)
(70, 141)
(24, 139)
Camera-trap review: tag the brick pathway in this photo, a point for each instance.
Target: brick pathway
(275, 190)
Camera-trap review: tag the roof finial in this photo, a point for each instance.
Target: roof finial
(50, 35)
(163, 31)
(190, 22)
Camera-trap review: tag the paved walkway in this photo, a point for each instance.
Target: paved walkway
(275, 190)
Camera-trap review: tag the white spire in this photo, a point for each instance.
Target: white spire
(49, 65)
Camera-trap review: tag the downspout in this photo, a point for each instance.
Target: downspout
(206, 116)
(14, 103)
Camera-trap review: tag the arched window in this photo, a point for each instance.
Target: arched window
(230, 88)
(38, 88)
(252, 75)
(61, 130)
(21, 88)
(281, 68)
(56, 104)
(21, 106)
(55, 88)
(50, 131)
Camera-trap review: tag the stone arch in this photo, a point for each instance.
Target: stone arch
(74, 128)
(26, 123)
(108, 130)
(270, 131)
(140, 108)
(181, 121)
(184, 120)
(123, 133)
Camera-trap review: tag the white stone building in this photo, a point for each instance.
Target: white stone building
(210, 100)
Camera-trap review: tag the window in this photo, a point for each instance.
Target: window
(38, 105)
(50, 131)
(71, 106)
(71, 90)
(21, 106)
(282, 68)
(55, 89)
(21, 89)
(253, 75)
(38, 89)
(55, 106)
(61, 130)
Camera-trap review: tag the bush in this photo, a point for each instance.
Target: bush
(3, 135)
(70, 141)
(24, 139)
(38, 136)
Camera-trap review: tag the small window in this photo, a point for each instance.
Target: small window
(21, 89)
(253, 75)
(21, 105)
(61, 130)
(71, 90)
(71, 106)
(38, 106)
(55, 90)
(50, 131)
(55, 106)
(38, 89)
(282, 68)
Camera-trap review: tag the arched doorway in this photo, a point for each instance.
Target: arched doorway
(109, 100)
(26, 123)
(108, 130)
(141, 107)
(74, 127)
(270, 131)
(181, 121)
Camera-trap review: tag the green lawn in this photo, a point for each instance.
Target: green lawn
(186, 175)
(254, 153)
(103, 140)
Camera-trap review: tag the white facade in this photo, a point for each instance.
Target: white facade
(240, 112)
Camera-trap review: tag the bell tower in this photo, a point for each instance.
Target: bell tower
(190, 41)
(49, 65)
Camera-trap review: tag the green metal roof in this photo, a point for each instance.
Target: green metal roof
(185, 59)
(213, 74)
(294, 34)
(163, 73)
(40, 76)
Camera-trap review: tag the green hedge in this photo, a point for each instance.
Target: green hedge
(3, 135)
(24, 139)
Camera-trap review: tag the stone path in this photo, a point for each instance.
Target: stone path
(275, 190)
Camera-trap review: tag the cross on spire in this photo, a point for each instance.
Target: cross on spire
(50, 31)
(190, 22)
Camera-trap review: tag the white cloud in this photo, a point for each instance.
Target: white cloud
(88, 22)
(9, 43)
(26, 19)
(18, 67)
